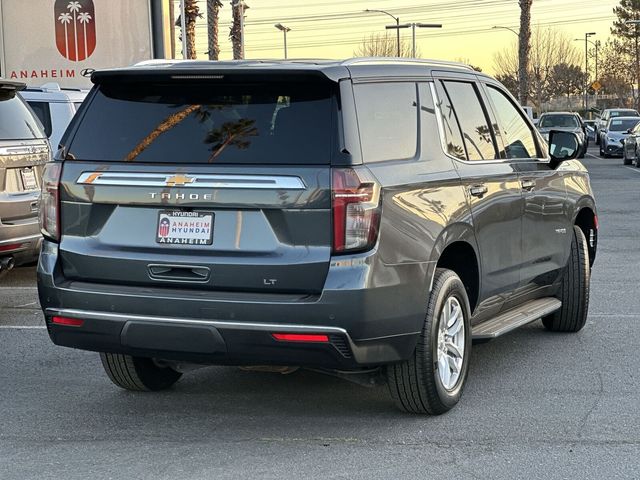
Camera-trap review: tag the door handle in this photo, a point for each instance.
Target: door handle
(528, 185)
(478, 190)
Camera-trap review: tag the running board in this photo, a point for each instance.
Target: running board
(515, 318)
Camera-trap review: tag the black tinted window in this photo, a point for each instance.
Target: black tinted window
(42, 111)
(453, 138)
(16, 120)
(515, 131)
(621, 125)
(388, 120)
(476, 132)
(267, 123)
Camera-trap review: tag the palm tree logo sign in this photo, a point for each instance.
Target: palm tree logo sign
(75, 29)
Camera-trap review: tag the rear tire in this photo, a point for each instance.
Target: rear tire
(138, 374)
(574, 291)
(421, 384)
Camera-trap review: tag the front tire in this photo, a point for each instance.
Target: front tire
(625, 160)
(574, 291)
(138, 374)
(432, 380)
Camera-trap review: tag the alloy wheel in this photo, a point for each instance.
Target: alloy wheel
(451, 343)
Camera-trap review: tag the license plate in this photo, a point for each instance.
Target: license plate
(185, 228)
(29, 179)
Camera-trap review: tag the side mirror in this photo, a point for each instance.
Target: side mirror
(563, 146)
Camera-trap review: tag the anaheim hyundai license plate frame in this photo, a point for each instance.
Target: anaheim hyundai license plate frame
(179, 227)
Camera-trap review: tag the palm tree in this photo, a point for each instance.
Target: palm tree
(84, 18)
(524, 48)
(191, 13)
(213, 9)
(75, 7)
(238, 8)
(65, 19)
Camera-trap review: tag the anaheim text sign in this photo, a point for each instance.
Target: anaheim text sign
(45, 41)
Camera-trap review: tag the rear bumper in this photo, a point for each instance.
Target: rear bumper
(20, 241)
(371, 313)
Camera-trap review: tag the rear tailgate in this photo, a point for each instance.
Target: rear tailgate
(225, 188)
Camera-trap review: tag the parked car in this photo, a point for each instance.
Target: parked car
(609, 113)
(590, 127)
(614, 134)
(564, 121)
(631, 147)
(55, 107)
(362, 217)
(24, 150)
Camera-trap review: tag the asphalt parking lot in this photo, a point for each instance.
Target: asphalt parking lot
(537, 405)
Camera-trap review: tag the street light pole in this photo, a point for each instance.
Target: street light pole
(413, 26)
(284, 30)
(586, 70)
(397, 19)
(596, 46)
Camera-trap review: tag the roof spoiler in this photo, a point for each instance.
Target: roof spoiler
(8, 86)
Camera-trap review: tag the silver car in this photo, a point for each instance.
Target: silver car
(614, 133)
(24, 149)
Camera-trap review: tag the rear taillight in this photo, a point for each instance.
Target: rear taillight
(50, 201)
(356, 210)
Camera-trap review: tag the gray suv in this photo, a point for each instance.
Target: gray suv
(24, 150)
(370, 218)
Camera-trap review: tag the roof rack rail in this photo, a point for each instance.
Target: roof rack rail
(405, 61)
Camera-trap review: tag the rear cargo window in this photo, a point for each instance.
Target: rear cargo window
(267, 123)
(388, 120)
(16, 120)
(43, 112)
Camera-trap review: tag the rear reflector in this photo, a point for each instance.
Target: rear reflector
(301, 337)
(70, 322)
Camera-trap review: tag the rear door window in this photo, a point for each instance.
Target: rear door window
(388, 120)
(43, 112)
(477, 134)
(16, 120)
(452, 134)
(221, 124)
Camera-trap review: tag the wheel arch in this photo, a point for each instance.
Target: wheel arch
(587, 220)
(456, 250)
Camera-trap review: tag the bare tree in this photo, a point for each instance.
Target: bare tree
(523, 49)
(549, 48)
(382, 45)
(213, 10)
(235, 34)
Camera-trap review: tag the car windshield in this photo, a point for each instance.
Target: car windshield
(562, 121)
(16, 120)
(622, 125)
(624, 113)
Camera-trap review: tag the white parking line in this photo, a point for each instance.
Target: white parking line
(637, 170)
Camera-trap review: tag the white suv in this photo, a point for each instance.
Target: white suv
(55, 107)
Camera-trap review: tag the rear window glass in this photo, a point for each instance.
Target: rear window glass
(178, 123)
(16, 120)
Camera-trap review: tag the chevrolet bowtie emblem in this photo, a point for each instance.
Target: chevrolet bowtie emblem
(179, 181)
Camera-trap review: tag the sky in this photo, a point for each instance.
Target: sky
(335, 28)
